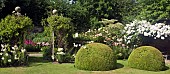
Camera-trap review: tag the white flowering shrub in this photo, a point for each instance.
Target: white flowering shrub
(101, 35)
(137, 30)
(110, 35)
(60, 55)
(13, 56)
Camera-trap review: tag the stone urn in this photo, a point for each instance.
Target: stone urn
(18, 9)
(54, 11)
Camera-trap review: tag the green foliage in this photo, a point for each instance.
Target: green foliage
(80, 17)
(95, 57)
(121, 51)
(47, 52)
(102, 8)
(157, 10)
(146, 58)
(45, 36)
(12, 56)
(31, 48)
(62, 28)
(12, 28)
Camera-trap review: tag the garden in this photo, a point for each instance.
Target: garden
(84, 37)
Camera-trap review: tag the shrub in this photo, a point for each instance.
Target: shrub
(121, 52)
(13, 28)
(14, 56)
(95, 57)
(146, 58)
(47, 52)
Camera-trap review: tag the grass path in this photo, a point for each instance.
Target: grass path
(39, 66)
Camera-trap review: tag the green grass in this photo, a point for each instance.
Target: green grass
(39, 66)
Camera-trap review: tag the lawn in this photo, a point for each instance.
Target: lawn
(39, 66)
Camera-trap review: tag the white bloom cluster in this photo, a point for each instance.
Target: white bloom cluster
(77, 45)
(130, 31)
(158, 30)
(60, 51)
(136, 28)
(76, 35)
(6, 54)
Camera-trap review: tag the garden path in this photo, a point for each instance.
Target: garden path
(36, 54)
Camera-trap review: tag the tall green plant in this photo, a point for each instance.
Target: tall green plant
(12, 29)
(62, 28)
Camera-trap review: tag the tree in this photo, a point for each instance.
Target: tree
(154, 10)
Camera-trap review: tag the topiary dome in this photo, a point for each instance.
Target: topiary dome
(146, 58)
(95, 57)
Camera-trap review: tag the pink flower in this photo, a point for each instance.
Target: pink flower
(29, 42)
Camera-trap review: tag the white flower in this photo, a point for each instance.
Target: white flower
(2, 58)
(162, 38)
(9, 60)
(99, 29)
(1, 53)
(41, 49)
(89, 30)
(16, 58)
(119, 40)
(13, 48)
(6, 46)
(6, 54)
(75, 45)
(92, 41)
(79, 44)
(158, 36)
(76, 35)
(128, 41)
(146, 34)
(74, 55)
(60, 49)
(52, 57)
(38, 43)
(46, 44)
(61, 53)
(2, 46)
(13, 52)
(4, 49)
(23, 50)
